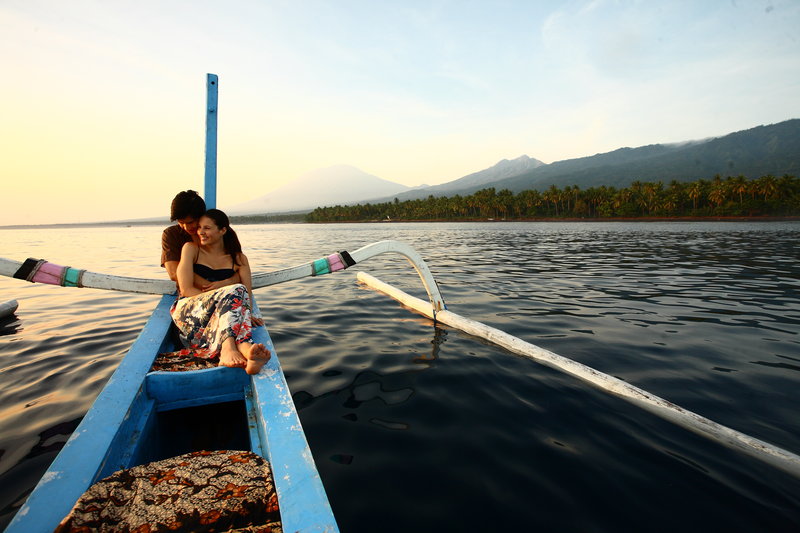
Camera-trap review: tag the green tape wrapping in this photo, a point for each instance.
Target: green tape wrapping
(72, 277)
(320, 266)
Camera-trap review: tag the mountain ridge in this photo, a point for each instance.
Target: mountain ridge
(336, 183)
(766, 149)
(771, 149)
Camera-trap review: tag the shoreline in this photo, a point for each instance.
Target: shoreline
(610, 219)
(438, 220)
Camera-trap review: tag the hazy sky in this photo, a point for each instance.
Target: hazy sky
(103, 102)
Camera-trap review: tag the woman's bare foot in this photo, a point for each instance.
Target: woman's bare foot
(230, 355)
(256, 354)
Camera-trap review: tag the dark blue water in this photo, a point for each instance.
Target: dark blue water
(415, 427)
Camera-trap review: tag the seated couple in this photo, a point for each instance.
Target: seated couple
(213, 313)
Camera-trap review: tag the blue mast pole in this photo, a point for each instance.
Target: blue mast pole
(212, 87)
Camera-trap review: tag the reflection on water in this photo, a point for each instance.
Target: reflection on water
(369, 386)
(703, 314)
(10, 325)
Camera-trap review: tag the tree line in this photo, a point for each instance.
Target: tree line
(731, 196)
(268, 219)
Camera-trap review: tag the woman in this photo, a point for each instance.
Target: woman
(211, 312)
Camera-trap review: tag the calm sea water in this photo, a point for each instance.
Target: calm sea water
(415, 427)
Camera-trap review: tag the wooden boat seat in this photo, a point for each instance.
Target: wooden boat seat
(198, 491)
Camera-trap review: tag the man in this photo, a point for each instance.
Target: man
(187, 208)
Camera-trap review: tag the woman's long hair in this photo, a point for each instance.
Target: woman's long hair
(230, 240)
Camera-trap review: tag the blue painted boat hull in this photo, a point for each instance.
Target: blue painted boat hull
(128, 423)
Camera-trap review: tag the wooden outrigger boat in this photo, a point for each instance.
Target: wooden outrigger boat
(126, 427)
(131, 420)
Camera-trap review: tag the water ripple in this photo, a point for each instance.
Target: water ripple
(417, 427)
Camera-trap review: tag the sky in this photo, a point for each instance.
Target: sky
(103, 101)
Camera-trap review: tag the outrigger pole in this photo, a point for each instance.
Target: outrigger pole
(212, 88)
(759, 449)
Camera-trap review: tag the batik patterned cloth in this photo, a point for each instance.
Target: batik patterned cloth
(206, 320)
(183, 360)
(229, 491)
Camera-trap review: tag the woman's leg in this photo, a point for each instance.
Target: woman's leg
(230, 354)
(248, 355)
(257, 356)
(205, 321)
(220, 321)
(238, 348)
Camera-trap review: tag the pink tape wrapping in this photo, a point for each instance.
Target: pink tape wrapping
(49, 273)
(335, 262)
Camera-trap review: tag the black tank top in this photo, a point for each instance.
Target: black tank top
(211, 274)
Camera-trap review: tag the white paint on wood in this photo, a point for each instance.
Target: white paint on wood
(8, 308)
(164, 286)
(774, 455)
(362, 254)
(94, 280)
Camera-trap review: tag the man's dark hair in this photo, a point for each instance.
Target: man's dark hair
(187, 204)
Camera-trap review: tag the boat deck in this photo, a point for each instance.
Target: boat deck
(133, 421)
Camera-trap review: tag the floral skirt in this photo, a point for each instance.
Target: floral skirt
(206, 320)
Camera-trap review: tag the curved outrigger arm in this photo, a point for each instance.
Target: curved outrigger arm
(342, 260)
(435, 297)
(41, 271)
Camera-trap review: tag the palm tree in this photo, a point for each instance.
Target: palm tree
(504, 202)
(739, 186)
(788, 186)
(553, 194)
(575, 194)
(677, 196)
(651, 193)
(527, 200)
(717, 193)
(485, 201)
(695, 192)
(622, 199)
(768, 186)
(603, 200)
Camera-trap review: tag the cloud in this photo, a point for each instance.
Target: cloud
(413, 91)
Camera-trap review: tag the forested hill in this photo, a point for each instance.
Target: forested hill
(764, 150)
(767, 196)
(759, 151)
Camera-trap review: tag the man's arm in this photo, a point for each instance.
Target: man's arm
(172, 270)
(171, 247)
(185, 272)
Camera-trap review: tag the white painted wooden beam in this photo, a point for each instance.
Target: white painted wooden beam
(759, 449)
